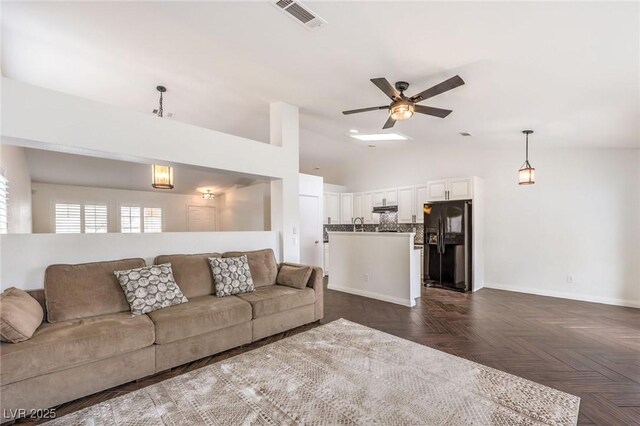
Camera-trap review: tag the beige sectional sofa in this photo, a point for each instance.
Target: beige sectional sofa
(91, 342)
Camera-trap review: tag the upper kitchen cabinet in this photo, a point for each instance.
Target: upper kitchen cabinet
(332, 208)
(367, 207)
(387, 197)
(357, 205)
(346, 208)
(406, 204)
(450, 189)
(460, 189)
(437, 190)
(422, 196)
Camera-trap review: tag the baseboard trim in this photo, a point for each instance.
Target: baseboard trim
(563, 295)
(373, 295)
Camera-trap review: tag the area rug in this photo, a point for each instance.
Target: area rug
(340, 373)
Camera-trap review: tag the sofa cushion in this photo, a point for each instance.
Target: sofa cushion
(191, 271)
(150, 288)
(296, 276)
(85, 290)
(231, 275)
(66, 344)
(272, 299)
(262, 263)
(20, 315)
(200, 315)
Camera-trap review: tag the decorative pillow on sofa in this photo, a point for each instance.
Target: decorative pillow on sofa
(20, 315)
(231, 275)
(296, 276)
(150, 288)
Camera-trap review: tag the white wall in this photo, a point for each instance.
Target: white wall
(46, 119)
(13, 164)
(582, 217)
(26, 256)
(174, 206)
(246, 208)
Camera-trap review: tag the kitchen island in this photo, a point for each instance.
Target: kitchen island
(379, 265)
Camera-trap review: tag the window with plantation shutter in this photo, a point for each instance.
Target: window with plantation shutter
(152, 219)
(4, 201)
(130, 219)
(68, 219)
(95, 219)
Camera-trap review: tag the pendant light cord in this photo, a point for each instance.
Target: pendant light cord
(526, 144)
(160, 109)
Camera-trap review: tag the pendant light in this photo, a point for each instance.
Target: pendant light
(159, 111)
(526, 174)
(162, 177)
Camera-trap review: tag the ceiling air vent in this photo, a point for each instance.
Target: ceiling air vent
(301, 14)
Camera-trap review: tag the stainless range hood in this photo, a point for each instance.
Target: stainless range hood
(385, 209)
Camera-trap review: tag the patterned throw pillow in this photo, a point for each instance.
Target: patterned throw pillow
(150, 288)
(231, 275)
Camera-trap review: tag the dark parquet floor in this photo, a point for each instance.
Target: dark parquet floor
(586, 349)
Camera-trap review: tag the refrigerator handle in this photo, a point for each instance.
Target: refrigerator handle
(442, 238)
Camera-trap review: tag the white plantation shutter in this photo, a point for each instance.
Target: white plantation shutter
(130, 219)
(67, 218)
(95, 219)
(4, 201)
(152, 219)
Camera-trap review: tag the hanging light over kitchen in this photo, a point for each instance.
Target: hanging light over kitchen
(526, 174)
(162, 177)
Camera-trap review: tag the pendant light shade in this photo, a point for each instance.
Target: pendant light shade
(162, 177)
(526, 174)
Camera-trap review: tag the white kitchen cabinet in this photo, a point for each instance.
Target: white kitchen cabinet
(357, 205)
(460, 189)
(332, 208)
(437, 190)
(406, 204)
(450, 189)
(422, 196)
(346, 209)
(367, 207)
(387, 197)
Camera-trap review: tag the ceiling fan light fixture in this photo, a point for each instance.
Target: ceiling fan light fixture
(402, 110)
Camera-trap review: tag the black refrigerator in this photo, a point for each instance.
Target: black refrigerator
(447, 231)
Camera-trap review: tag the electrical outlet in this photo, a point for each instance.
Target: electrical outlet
(366, 277)
(571, 279)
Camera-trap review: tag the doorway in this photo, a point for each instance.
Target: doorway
(310, 231)
(201, 219)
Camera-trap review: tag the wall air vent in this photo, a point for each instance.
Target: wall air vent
(300, 13)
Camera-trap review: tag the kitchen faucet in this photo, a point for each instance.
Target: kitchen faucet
(361, 220)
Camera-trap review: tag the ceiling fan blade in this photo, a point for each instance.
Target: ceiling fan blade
(389, 124)
(446, 85)
(355, 111)
(436, 112)
(386, 87)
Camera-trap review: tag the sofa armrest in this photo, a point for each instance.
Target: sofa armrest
(316, 282)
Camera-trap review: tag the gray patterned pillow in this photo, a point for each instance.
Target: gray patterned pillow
(231, 275)
(150, 288)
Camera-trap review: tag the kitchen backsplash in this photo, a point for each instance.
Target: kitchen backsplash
(418, 228)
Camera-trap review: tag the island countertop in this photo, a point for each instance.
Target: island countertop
(377, 234)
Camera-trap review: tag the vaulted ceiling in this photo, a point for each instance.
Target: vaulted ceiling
(570, 70)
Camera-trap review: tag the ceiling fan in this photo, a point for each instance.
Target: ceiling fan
(402, 107)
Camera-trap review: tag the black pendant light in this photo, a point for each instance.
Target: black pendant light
(158, 111)
(526, 174)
